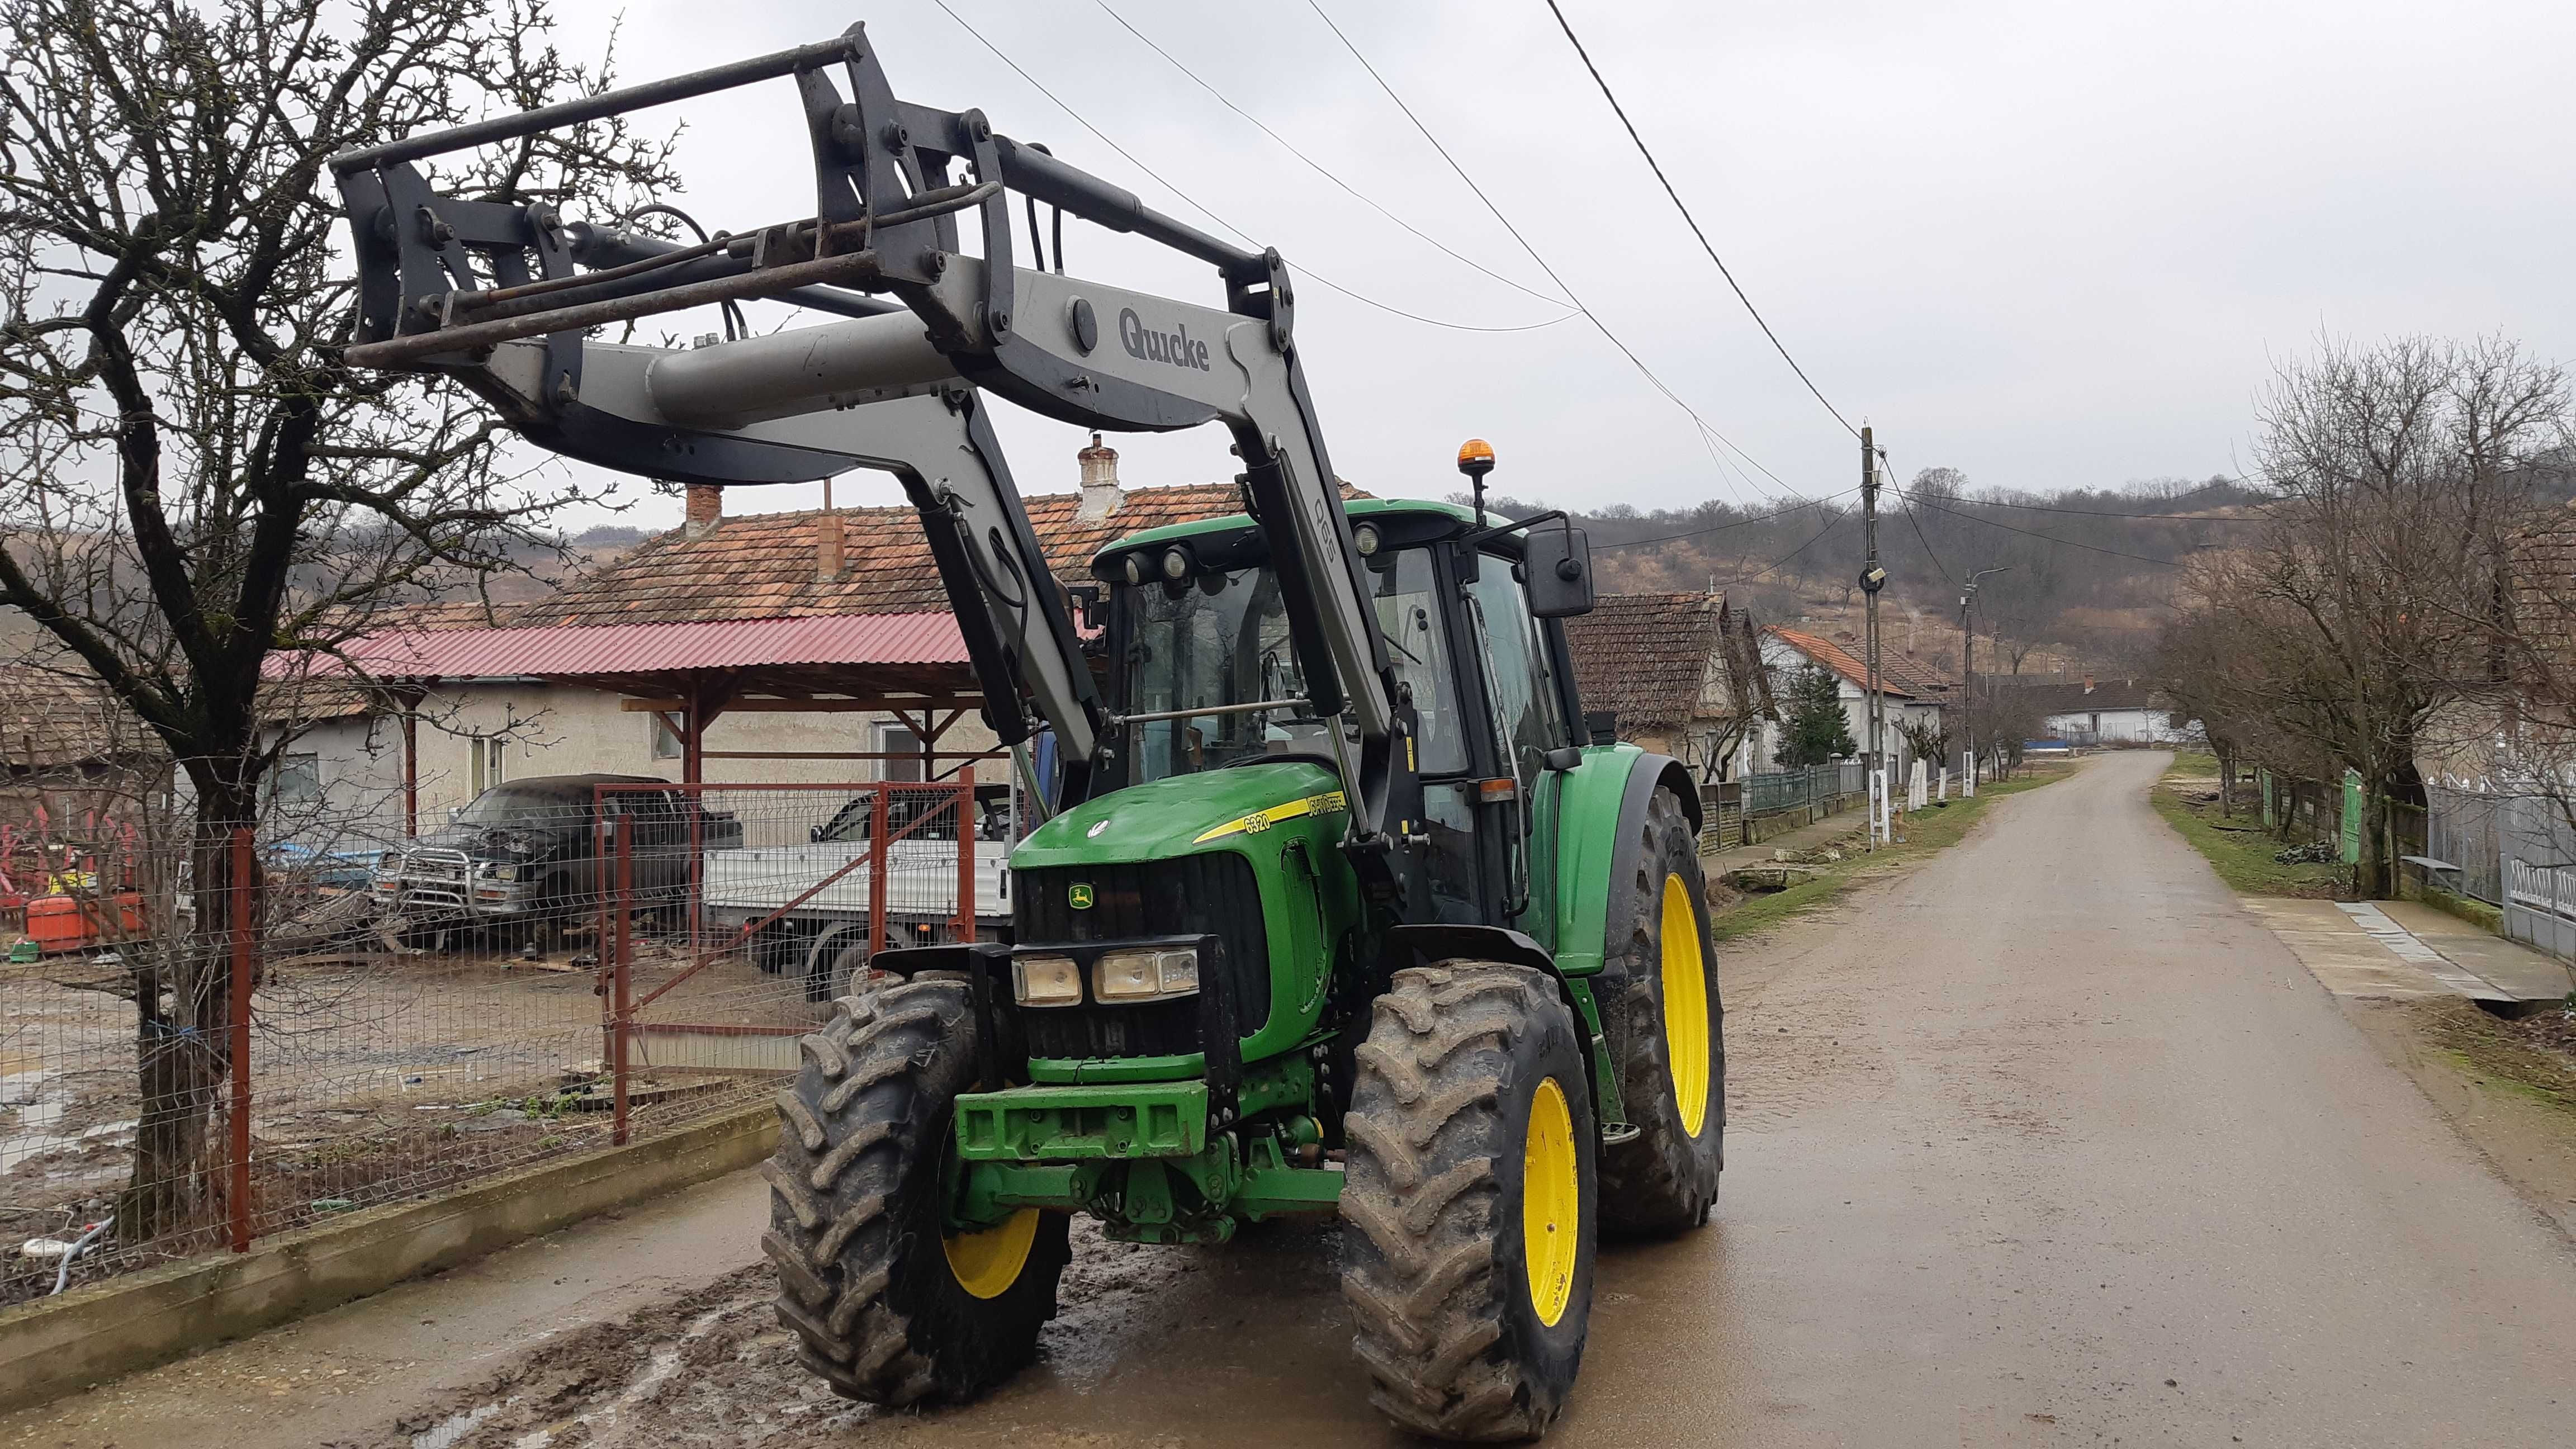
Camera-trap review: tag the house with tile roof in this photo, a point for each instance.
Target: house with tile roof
(1679, 673)
(2091, 711)
(767, 621)
(1914, 690)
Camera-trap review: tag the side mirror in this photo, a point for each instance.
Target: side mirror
(455, 813)
(815, 834)
(1559, 563)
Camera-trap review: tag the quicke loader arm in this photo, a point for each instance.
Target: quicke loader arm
(503, 298)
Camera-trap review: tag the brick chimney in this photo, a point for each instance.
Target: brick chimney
(706, 508)
(827, 547)
(1101, 494)
(2088, 684)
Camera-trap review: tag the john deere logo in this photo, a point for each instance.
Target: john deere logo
(1078, 896)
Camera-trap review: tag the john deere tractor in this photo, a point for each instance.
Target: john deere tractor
(1346, 907)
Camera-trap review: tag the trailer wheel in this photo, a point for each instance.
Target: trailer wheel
(888, 1306)
(1664, 1019)
(1470, 1187)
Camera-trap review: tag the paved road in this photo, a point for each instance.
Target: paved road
(2047, 1144)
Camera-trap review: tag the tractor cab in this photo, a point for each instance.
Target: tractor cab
(1205, 675)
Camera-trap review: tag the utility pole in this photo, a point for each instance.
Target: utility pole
(1872, 579)
(1968, 675)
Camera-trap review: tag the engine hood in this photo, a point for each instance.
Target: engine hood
(1184, 815)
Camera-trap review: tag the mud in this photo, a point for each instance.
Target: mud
(2047, 1143)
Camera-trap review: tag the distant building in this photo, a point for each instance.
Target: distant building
(2089, 711)
(1680, 673)
(1914, 692)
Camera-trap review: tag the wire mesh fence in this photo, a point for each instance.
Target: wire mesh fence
(203, 1044)
(1817, 786)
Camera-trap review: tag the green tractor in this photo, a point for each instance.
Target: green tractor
(1347, 907)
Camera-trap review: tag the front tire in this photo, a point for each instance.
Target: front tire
(1664, 1019)
(1470, 1183)
(888, 1306)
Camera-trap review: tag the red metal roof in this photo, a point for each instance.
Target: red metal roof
(628, 649)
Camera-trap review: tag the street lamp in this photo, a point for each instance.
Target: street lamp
(1968, 671)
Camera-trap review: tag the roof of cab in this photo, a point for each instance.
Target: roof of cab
(1357, 508)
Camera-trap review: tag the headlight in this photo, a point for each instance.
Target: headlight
(390, 860)
(1046, 981)
(497, 870)
(1146, 975)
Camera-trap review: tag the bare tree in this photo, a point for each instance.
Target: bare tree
(2367, 603)
(192, 483)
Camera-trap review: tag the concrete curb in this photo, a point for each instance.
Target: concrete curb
(57, 1345)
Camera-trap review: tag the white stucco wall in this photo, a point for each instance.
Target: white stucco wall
(542, 729)
(2119, 726)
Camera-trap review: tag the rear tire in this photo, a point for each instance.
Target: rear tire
(888, 1308)
(1670, 1049)
(1470, 1187)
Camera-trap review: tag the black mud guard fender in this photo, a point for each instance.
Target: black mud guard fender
(1444, 942)
(1651, 773)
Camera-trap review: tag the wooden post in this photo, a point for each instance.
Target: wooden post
(966, 853)
(411, 770)
(244, 965)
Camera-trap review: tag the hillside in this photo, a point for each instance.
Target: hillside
(2082, 581)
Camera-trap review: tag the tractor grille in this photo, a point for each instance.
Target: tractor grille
(1199, 894)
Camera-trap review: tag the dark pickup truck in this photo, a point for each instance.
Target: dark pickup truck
(522, 859)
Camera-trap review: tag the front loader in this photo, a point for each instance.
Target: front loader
(1346, 908)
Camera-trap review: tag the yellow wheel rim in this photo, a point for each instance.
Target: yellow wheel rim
(989, 1262)
(1685, 1006)
(1551, 1203)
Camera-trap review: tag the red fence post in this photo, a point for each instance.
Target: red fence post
(878, 828)
(966, 823)
(243, 965)
(622, 978)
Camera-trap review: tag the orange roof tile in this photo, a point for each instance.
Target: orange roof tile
(1841, 661)
(761, 565)
(1646, 656)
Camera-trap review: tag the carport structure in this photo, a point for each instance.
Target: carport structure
(834, 611)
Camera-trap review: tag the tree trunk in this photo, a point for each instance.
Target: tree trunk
(2226, 783)
(183, 1041)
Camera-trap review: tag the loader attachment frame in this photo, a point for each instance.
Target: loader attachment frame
(494, 295)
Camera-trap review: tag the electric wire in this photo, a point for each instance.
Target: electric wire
(1705, 245)
(2046, 538)
(1316, 166)
(1588, 315)
(1732, 523)
(1910, 517)
(1245, 237)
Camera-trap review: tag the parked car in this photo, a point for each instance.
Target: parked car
(523, 859)
(824, 938)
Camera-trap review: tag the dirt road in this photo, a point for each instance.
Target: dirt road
(2046, 1144)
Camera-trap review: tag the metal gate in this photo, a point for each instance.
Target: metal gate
(732, 915)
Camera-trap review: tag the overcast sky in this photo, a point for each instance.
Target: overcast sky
(2048, 244)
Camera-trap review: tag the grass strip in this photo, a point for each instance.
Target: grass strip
(2238, 848)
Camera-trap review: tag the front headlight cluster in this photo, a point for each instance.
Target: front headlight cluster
(1145, 974)
(500, 869)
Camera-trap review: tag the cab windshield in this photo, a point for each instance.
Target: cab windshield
(1222, 639)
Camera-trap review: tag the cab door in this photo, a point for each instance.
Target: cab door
(1514, 671)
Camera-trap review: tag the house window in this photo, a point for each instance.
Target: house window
(666, 738)
(895, 739)
(488, 760)
(297, 780)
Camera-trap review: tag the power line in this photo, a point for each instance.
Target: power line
(1830, 525)
(1704, 243)
(1938, 567)
(2067, 542)
(1316, 166)
(1245, 236)
(1588, 314)
(1723, 527)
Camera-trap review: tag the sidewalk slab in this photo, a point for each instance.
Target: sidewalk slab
(2515, 969)
(2344, 959)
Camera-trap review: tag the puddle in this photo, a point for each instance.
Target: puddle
(456, 1426)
